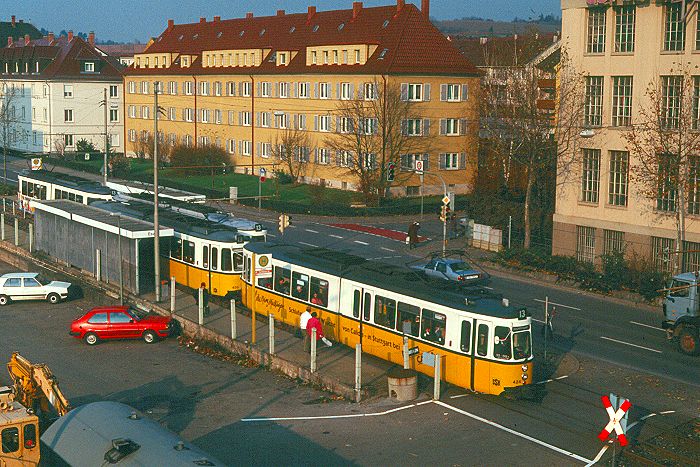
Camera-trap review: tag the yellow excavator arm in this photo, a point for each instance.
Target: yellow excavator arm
(35, 384)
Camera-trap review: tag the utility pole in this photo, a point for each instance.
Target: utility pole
(104, 168)
(156, 226)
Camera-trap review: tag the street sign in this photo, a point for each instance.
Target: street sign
(413, 351)
(37, 163)
(263, 266)
(428, 359)
(418, 166)
(615, 417)
(263, 172)
(446, 200)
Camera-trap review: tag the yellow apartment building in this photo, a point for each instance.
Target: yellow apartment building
(242, 84)
(621, 47)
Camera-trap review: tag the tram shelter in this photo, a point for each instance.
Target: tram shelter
(89, 238)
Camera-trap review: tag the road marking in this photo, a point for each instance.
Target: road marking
(271, 235)
(559, 304)
(312, 231)
(516, 433)
(361, 243)
(552, 379)
(388, 249)
(308, 244)
(331, 417)
(632, 345)
(335, 236)
(600, 454)
(535, 319)
(647, 326)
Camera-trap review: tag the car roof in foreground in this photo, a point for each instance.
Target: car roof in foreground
(109, 308)
(19, 274)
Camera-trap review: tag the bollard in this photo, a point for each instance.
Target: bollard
(31, 237)
(233, 319)
(3, 205)
(13, 208)
(172, 294)
(2, 226)
(98, 265)
(200, 302)
(358, 372)
(16, 232)
(436, 388)
(405, 353)
(313, 350)
(271, 327)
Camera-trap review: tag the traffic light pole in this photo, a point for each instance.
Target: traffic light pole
(444, 218)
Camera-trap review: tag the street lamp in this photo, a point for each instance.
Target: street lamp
(121, 260)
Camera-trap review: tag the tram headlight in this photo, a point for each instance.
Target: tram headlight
(524, 367)
(524, 376)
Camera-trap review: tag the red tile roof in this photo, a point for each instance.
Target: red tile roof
(121, 50)
(412, 43)
(501, 51)
(65, 59)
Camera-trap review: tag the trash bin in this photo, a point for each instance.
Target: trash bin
(403, 384)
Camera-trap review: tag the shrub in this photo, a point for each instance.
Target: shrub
(83, 146)
(283, 177)
(120, 166)
(203, 160)
(615, 269)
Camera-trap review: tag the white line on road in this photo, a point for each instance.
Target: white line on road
(627, 343)
(308, 244)
(539, 321)
(329, 417)
(559, 304)
(516, 433)
(361, 243)
(335, 236)
(600, 454)
(271, 235)
(312, 231)
(647, 326)
(553, 379)
(388, 249)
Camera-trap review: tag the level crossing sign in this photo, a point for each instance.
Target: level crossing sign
(618, 418)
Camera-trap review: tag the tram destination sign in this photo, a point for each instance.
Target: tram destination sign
(263, 266)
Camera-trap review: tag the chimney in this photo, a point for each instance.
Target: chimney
(425, 8)
(310, 13)
(70, 36)
(91, 38)
(356, 9)
(50, 37)
(249, 15)
(280, 12)
(399, 5)
(202, 19)
(9, 41)
(217, 19)
(13, 21)
(171, 24)
(26, 39)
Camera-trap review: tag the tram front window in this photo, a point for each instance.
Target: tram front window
(522, 347)
(502, 344)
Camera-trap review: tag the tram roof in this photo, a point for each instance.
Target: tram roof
(397, 279)
(69, 181)
(135, 187)
(200, 228)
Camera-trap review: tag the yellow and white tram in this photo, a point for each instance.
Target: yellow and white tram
(484, 342)
(42, 185)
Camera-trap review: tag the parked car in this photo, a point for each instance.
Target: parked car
(453, 269)
(120, 322)
(31, 286)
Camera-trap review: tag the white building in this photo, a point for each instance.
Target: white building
(54, 88)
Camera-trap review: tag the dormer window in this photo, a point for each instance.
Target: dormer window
(341, 26)
(292, 29)
(90, 66)
(382, 54)
(195, 36)
(262, 33)
(181, 37)
(386, 23)
(315, 28)
(221, 33)
(283, 58)
(241, 33)
(313, 57)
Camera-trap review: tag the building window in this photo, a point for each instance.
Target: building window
(369, 126)
(245, 88)
(283, 58)
(113, 91)
(345, 125)
(622, 101)
(325, 57)
(413, 127)
(593, 111)
(335, 57)
(662, 250)
(144, 87)
(691, 256)
(449, 126)
(217, 88)
(415, 92)
(346, 91)
(451, 93)
(324, 91)
(68, 115)
(370, 91)
(585, 244)
(613, 242)
(696, 103)
(203, 88)
(265, 119)
(172, 88)
(624, 28)
(245, 118)
(314, 58)
(281, 120)
(590, 177)
(617, 186)
(114, 140)
(451, 161)
(246, 147)
(324, 156)
(284, 90)
(265, 89)
(89, 67)
(68, 91)
(188, 115)
(205, 115)
(357, 56)
(265, 150)
(304, 90)
(218, 118)
(596, 31)
(694, 185)
(667, 183)
(113, 115)
(145, 111)
(674, 28)
(671, 90)
(172, 114)
(187, 88)
(324, 123)
(68, 140)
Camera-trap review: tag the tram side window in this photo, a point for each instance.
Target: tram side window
(41, 191)
(319, 292)
(300, 286)
(79, 198)
(282, 280)
(367, 306)
(176, 249)
(214, 258)
(356, 304)
(205, 257)
(237, 261)
(246, 272)
(482, 343)
(188, 251)
(10, 439)
(265, 282)
(409, 319)
(466, 337)
(502, 345)
(433, 326)
(226, 265)
(24, 189)
(384, 311)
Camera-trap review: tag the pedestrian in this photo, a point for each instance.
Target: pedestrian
(205, 297)
(413, 234)
(303, 322)
(315, 323)
(165, 289)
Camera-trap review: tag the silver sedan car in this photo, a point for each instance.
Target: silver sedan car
(456, 270)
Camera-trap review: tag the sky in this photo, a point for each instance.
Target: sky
(137, 20)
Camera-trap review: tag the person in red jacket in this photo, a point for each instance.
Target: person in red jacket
(315, 323)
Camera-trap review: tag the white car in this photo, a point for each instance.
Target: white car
(31, 286)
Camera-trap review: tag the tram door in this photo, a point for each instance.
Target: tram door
(362, 312)
(481, 367)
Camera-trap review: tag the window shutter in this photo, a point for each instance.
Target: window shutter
(240, 147)
(315, 155)
(426, 92)
(404, 127)
(361, 91)
(352, 90)
(404, 91)
(184, 115)
(463, 126)
(258, 89)
(443, 126)
(296, 121)
(233, 89)
(258, 149)
(443, 92)
(199, 115)
(275, 120)
(337, 91)
(426, 162)
(465, 92)
(315, 90)
(403, 166)
(257, 119)
(308, 89)
(337, 124)
(240, 118)
(442, 161)
(375, 125)
(463, 160)
(233, 146)
(426, 127)
(337, 158)
(315, 122)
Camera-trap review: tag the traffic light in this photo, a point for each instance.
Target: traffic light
(391, 172)
(284, 221)
(443, 213)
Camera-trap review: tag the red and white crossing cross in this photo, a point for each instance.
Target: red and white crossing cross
(614, 422)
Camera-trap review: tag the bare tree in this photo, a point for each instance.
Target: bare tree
(8, 95)
(59, 145)
(524, 135)
(372, 131)
(665, 143)
(144, 147)
(293, 148)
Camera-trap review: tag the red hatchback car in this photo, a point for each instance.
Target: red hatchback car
(120, 322)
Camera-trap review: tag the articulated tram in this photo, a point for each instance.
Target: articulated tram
(484, 342)
(41, 185)
(201, 251)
